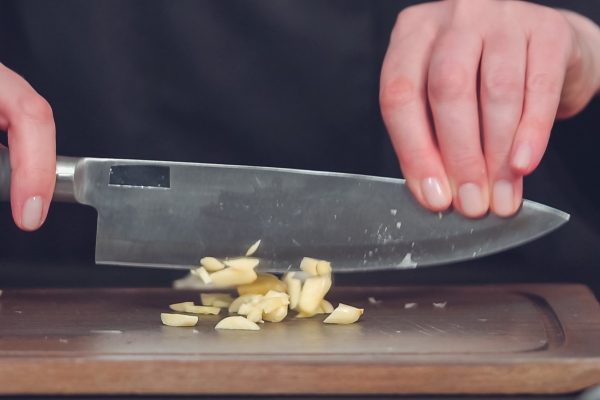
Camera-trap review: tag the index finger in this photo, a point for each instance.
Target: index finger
(28, 119)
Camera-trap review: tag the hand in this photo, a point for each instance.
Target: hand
(27, 118)
(470, 91)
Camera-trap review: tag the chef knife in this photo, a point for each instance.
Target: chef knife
(171, 214)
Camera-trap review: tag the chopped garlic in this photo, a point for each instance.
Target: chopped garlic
(201, 309)
(294, 287)
(326, 306)
(262, 285)
(440, 305)
(180, 306)
(309, 265)
(410, 305)
(212, 264)
(255, 314)
(276, 315)
(323, 267)
(253, 249)
(234, 276)
(235, 305)
(237, 323)
(344, 314)
(372, 300)
(245, 309)
(204, 275)
(242, 263)
(209, 299)
(178, 319)
(313, 292)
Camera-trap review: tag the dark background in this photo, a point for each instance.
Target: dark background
(274, 83)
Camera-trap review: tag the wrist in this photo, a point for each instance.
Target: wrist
(582, 79)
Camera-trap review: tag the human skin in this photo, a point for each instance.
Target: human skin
(470, 91)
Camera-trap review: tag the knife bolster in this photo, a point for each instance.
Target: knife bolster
(64, 190)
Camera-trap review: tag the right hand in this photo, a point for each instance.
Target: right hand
(27, 117)
(470, 90)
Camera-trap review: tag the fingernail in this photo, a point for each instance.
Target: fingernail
(471, 200)
(502, 198)
(522, 157)
(32, 213)
(433, 193)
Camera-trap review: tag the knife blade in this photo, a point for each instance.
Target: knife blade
(171, 214)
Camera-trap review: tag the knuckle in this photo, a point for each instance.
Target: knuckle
(502, 85)
(535, 126)
(413, 159)
(450, 81)
(34, 106)
(397, 94)
(544, 83)
(414, 21)
(466, 164)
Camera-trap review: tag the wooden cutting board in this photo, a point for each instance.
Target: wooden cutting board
(490, 339)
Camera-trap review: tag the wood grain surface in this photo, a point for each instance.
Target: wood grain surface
(490, 339)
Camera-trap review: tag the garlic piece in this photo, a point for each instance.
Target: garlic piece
(313, 292)
(237, 323)
(253, 249)
(180, 306)
(323, 268)
(178, 319)
(326, 306)
(204, 275)
(270, 304)
(344, 314)
(209, 299)
(276, 315)
(235, 305)
(255, 314)
(242, 263)
(201, 309)
(245, 309)
(211, 264)
(234, 276)
(309, 265)
(262, 285)
(294, 287)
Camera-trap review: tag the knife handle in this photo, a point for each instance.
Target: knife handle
(64, 189)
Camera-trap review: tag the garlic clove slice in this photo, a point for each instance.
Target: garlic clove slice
(235, 305)
(255, 314)
(276, 315)
(294, 287)
(344, 314)
(309, 265)
(323, 268)
(233, 277)
(253, 249)
(326, 306)
(178, 319)
(204, 275)
(237, 323)
(313, 292)
(193, 309)
(180, 306)
(211, 264)
(242, 263)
